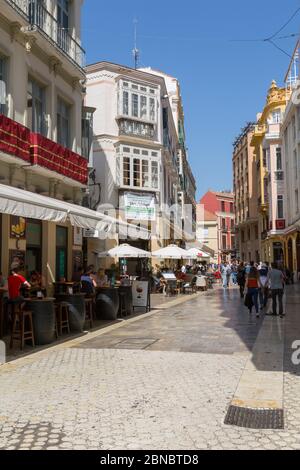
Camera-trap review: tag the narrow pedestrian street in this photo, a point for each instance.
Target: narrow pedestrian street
(163, 380)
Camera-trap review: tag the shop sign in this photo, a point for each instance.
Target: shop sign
(90, 233)
(77, 236)
(141, 294)
(139, 206)
(17, 227)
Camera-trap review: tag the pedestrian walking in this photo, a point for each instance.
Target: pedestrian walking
(264, 286)
(252, 285)
(234, 274)
(226, 273)
(276, 280)
(241, 278)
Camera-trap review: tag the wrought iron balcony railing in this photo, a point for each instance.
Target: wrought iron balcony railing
(40, 18)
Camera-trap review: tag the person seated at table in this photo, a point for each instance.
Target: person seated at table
(15, 282)
(101, 278)
(88, 284)
(37, 282)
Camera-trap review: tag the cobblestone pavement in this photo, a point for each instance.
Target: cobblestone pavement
(162, 382)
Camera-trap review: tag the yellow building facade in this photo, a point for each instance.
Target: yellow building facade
(269, 176)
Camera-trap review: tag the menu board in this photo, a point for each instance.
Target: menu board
(141, 294)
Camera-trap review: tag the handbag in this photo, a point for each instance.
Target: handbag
(248, 301)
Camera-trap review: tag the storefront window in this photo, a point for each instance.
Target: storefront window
(61, 252)
(33, 246)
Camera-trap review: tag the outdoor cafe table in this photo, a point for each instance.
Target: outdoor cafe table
(63, 287)
(76, 306)
(43, 316)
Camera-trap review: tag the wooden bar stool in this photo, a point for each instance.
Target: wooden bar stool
(62, 317)
(89, 311)
(22, 327)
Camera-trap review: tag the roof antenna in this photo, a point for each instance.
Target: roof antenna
(135, 51)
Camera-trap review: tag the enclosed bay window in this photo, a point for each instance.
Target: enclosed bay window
(137, 101)
(36, 105)
(3, 85)
(138, 168)
(63, 123)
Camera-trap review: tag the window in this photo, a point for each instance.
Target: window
(223, 224)
(297, 201)
(63, 123)
(61, 252)
(36, 107)
(135, 105)
(126, 171)
(243, 236)
(231, 208)
(125, 103)
(63, 37)
(138, 169)
(154, 174)
(86, 132)
(280, 207)
(278, 159)
(224, 242)
(276, 116)
(34, 246)
(3, 85)
(143, 106)
(249, 234)
(222, 206)
(152, 109)
(136, 172)
(145, 174)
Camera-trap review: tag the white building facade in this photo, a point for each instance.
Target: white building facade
(42, 147)
(135, 151)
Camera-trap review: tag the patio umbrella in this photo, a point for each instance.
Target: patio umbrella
(195, 253)
(171, 252)
(125, 251)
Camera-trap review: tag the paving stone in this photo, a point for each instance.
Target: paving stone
(172, 395)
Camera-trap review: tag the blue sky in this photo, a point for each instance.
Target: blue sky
(223, 82)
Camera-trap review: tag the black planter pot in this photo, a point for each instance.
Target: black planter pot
(76, 310)
(43, 316)
(107, 303)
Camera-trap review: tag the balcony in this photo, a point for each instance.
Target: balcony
(55, 157)
(40, 19)
(137, 129)
(18, 143)
(14, 139)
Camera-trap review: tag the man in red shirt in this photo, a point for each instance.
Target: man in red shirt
(15, 281)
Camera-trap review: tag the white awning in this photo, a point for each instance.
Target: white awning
(15, 201)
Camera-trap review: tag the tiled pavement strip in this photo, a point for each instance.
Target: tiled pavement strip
(160, 381)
